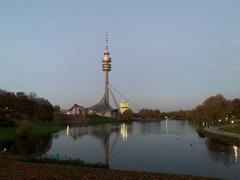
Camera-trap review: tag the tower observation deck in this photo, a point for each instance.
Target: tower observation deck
(103, 107)
(106, 67)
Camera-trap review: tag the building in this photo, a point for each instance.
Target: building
(123, 106)
(103, 107)
(77, 110)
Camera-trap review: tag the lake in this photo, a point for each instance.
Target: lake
(167, 146)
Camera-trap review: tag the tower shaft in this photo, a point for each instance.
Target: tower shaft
(106, 94)
(106, 67)
(103, 107)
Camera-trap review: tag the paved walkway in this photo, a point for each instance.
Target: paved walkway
(215, 130)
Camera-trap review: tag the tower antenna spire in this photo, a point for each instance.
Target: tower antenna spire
(106, 43)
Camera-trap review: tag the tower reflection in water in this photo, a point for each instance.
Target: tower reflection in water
(103, 134)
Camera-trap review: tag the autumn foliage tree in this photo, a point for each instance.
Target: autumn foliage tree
(150, 114)
(216, 108)
(127, 115)
(15, 107)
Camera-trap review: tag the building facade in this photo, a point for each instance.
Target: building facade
(123, 106)
(77, 110)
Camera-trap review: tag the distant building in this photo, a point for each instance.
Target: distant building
(123, 106)
(77, 110)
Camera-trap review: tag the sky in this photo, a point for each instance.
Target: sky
(167, 54)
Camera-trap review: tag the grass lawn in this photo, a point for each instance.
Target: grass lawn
(47, 128)
(8, 134)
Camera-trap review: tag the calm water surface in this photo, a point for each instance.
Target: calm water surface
(167, 146)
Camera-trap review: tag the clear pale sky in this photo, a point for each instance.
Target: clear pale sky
(168, 54)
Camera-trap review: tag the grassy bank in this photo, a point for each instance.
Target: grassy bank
(7, 134)
(73, 162)
(47, 128)
(233, 129)
(218, 138)
(10, 133)
(14, 169)
(95, 120)
(49, 160)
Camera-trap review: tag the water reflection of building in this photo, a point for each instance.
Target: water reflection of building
(103, 134)
(76, 131)
(123, 131)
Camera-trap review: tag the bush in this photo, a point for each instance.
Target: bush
(24, 128)
(7, 123)
(127, 115)
(61, 117)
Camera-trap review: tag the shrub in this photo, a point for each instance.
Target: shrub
(61, 117)
(127, 115)
(6, 122)
(24, 128)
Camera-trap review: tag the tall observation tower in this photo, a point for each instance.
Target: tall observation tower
(103, 107)
(106, 67)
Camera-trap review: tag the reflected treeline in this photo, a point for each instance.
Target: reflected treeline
(221, 152)
(29, 145)
(165, 127)
(150, 128)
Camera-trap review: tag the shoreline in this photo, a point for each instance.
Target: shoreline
(10, 133)
(11, 168)
(219, 135)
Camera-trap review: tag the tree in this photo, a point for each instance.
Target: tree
(198, 113)
(127, 115)
(235, 108)
(19, 106)
(32, 95)
(24, 128)
(150, 113)
(46, 110)
(215, 108)
(57, 108)
(156, 114)
(143, 113)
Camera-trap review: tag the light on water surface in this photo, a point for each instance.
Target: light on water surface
(167, 146)
(235, 148)
(124, 132)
